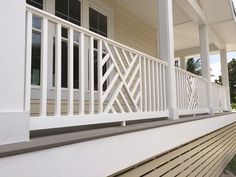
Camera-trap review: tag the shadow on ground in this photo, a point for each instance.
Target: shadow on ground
(230, 171)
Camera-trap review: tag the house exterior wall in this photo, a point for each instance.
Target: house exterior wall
(132, 31)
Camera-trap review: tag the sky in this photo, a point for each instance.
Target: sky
(215, 64)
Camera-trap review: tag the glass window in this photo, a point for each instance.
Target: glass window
(69, 10)
(36, 51)
(64, 62)
(97, 22)
(36, 43)
(35, 3)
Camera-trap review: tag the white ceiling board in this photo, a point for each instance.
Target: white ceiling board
(217, 10)
(227, 30)
(186, 36)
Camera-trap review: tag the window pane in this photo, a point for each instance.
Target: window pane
(103, 24)
(72, 20)
(36, 55)
(64, 65)
(74, 11)
(69, 10)
(93, 19)
(64, 32)
(35, 3)
(36, 22)
(58, 14)
(62, 6)
(76, 66)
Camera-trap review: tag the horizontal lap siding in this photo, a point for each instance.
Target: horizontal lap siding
(132, 31)
(206, 156)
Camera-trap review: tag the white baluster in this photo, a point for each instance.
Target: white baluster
(44, 68)
(57, 111)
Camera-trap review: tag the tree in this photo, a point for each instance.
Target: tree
(232, 79)
(194, 66)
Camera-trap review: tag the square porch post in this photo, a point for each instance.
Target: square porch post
(205, 59)
(14, 120)
(166, 48)
(183, 63)
(225, 76)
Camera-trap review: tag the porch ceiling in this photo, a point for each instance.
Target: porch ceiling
(185, 31)
(219, 15)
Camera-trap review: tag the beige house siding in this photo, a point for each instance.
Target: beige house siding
(131, 30)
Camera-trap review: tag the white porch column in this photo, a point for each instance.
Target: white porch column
(14, 122)
(183, 63)
(225, 76)
(166, 44)
(205, 59)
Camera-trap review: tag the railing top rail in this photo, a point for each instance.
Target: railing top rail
(194, 75)
(67, 24)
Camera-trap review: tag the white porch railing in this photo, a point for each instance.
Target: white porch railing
(191, 93)
(135, 82)
(116, 83)
(219, 97)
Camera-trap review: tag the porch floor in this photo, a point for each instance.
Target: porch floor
(45, 139)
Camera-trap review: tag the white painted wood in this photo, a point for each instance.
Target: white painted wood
(100, 89)
(205, 60)
(40, 123)
(153, 87)
(157, 86)
(199, 17)
(183, 63)
(134, 73)
(161, 87)
(164, 86)
(149, 86)
(120, 106)
(119, 58)
(70, 105)
(166, 40)
(108, 72)
(123, 78)
(141, 84)
(58, 71)
(126, 102)
(43, 72)
(91, 76)
(81, 75)
(145, 84)
(225, 76)
(126, 58)
(111, 85)
(67, 24)
(28, 61)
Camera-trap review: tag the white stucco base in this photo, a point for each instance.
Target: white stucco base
(102, 157)
(14, 127)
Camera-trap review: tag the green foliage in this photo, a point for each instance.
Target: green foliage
(219, 81)
(232, 79)
(233, 105)
(194, 66)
